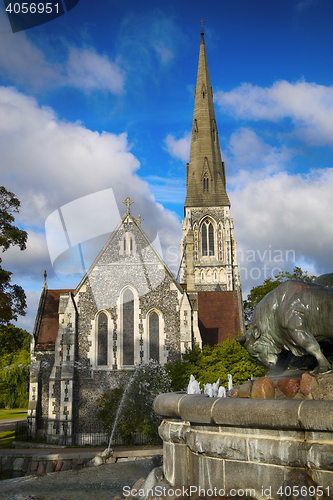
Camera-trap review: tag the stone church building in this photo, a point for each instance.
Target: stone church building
(128, 307)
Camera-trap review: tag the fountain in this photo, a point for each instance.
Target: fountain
(119, 409)
(193, 386)
(250, 446)
(211, 390)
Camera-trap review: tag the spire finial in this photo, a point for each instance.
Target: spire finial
(202, 28)
(45, 276)
(128, 202)
(139, 220)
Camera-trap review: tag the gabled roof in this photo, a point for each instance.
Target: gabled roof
(112, 240)
(47, 321)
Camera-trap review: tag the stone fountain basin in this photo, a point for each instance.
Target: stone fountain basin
(255, 444)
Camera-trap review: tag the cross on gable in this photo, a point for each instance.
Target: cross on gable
(128, 202)
(202, 21)
(139, 220)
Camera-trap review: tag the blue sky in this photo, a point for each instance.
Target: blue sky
(102, 99)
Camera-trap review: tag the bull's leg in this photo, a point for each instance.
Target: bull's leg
(307, 342)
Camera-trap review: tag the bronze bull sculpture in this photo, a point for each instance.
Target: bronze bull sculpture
(295, 317)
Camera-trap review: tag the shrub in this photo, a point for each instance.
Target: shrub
(211, 363)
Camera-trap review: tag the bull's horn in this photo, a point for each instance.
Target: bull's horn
(242, 339)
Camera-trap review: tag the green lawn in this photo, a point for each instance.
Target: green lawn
(15, 413)
(6, 439)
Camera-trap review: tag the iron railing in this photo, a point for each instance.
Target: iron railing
(86, 434)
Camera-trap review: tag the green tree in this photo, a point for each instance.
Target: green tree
(12, 297)
(14, 367)
(211, 363)
(13, 339)
(257, 293)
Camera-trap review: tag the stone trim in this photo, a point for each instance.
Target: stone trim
(284, 414)
(258, 445)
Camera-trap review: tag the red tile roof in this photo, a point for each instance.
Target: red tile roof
(49, 325)
(218, 316)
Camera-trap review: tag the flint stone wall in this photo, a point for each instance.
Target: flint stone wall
(246, 444)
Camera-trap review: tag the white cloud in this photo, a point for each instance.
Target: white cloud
(165, 53)
(309, 105)
(47, 163)
(179, 148)
(89, 71)
(25, 63)
(246, 150)
(282, 220)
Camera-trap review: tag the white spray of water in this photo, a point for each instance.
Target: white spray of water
(229, 382)
(193, 386)
(222, 392)
(120, 406)
(212, 390)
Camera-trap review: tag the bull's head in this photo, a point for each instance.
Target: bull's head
(259, 346)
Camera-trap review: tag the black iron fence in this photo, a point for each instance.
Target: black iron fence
(85, 434)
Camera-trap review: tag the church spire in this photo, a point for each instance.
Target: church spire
(205, 177)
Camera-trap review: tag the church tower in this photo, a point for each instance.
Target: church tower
(208, 269)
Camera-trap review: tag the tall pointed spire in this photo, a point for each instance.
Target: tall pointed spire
(205, 176)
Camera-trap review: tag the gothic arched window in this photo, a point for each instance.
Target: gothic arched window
(206, 185)
(102, 339)
(128, 327)
(207, 239)
(204, 239)
(211, 240)
(154, 336)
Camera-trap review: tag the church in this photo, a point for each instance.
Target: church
(128, 307)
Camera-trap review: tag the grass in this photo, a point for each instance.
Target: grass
(14, 413)
(6, 439)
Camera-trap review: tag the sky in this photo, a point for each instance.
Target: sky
(97, 105)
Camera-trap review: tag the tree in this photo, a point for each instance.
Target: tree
(12, 297)
(13, 339)
(257, 293)
(14, 367)
(211, 363)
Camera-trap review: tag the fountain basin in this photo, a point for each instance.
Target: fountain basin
(253, 444)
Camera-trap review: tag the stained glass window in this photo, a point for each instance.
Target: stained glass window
(154, 344)
(128, 327)
(102, 339)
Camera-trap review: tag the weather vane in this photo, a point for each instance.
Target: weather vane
(202, 21)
